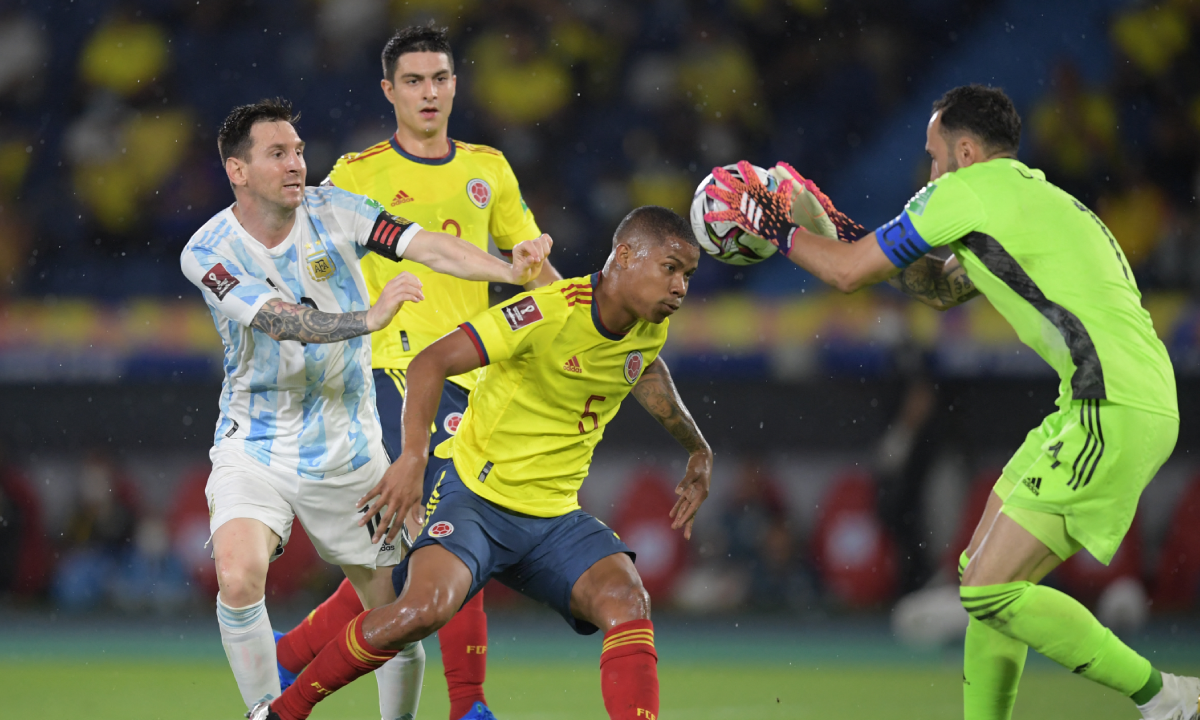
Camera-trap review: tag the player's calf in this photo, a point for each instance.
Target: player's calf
(610, 595)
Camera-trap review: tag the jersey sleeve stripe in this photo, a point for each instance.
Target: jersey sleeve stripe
(473, 335)
(505, 253)
(901, 242)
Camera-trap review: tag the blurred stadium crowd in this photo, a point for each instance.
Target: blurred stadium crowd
(108, 163)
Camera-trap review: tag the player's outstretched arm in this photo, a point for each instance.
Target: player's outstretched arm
(656, 392)
(400, 487)
(937, 280)
(767, 213)
(292, 321)
(450, 255)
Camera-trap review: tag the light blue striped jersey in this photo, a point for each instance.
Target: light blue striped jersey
(307, 408)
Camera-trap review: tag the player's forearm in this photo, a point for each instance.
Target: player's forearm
(656, 392)
(939, 282)
(289, 321)
(450, 255)
(425, 377)
(453, 354)
(835, 263)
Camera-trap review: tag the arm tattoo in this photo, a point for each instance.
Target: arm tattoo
(928, 281)
(656, 392)
(288, 321)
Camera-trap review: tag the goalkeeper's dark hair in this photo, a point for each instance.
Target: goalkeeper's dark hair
(415, 38)
(233, 139)
(655, 222)
(985, 112)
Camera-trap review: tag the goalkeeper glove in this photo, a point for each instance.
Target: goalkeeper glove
(752, 207)
(813, 210)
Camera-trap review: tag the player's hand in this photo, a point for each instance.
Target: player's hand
(400, 289)
(394, 496)
(813, 210)
(692, 490)
(527, 259)
(752, 207)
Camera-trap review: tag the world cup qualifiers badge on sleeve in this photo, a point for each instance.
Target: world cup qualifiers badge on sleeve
(479, 192)
(219, 281)
(523, 312)
(633, 366)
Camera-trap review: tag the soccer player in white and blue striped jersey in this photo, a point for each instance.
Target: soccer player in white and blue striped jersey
(298, 433)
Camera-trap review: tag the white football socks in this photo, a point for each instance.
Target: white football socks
(250, 647)
(400, 683)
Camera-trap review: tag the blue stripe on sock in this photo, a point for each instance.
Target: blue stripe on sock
(240, 618)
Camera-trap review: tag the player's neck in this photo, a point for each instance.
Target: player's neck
(421, 145)
(613, 314)
(268, 224)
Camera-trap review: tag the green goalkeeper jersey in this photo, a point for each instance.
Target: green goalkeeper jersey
(1052, 269)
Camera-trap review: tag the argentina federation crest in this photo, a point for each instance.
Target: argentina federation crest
(320, 264)
(633, 366)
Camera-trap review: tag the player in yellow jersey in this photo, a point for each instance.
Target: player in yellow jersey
(557, 362)
(462, 189)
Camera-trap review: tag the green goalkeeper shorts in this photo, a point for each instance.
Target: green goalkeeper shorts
(1076, 480)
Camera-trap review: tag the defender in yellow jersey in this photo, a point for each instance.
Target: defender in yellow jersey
(469, 192)
(527, 438)
(557, 363)
(466, 190)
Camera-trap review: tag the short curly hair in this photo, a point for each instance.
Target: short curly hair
(233, 139)
(415, 38)
(985, 112)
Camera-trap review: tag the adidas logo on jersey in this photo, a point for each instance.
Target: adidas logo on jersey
(401, 198)
(573, 365)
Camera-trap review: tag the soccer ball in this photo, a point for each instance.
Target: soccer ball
(725, 241)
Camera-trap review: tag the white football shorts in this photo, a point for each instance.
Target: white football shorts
(242, 487)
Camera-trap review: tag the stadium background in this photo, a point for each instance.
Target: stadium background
(853, 434)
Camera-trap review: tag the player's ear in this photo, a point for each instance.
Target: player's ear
(387, 89)
(622, 253)
(967, 150)
(235, 170)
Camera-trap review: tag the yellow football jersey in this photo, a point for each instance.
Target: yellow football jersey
(470, 192)
(553, 378)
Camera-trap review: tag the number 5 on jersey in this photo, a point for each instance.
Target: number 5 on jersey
(587, 413)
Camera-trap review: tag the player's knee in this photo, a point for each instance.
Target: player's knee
(241, 583)
(631, 601)
(419, 617)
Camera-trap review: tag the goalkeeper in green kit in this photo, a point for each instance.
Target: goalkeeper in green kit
(988, 224)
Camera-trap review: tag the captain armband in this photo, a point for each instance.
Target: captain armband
(390, 235)
(901, 242)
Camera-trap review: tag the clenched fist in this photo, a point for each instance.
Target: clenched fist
(527, 259)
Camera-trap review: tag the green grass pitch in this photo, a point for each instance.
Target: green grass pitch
(203, 689)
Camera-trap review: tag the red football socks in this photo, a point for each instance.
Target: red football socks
(302, 643)
(345, 659)
(464, 655)
(629, 672)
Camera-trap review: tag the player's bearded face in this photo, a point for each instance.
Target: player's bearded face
(659, 274)
(422, 92)
(276, 170)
